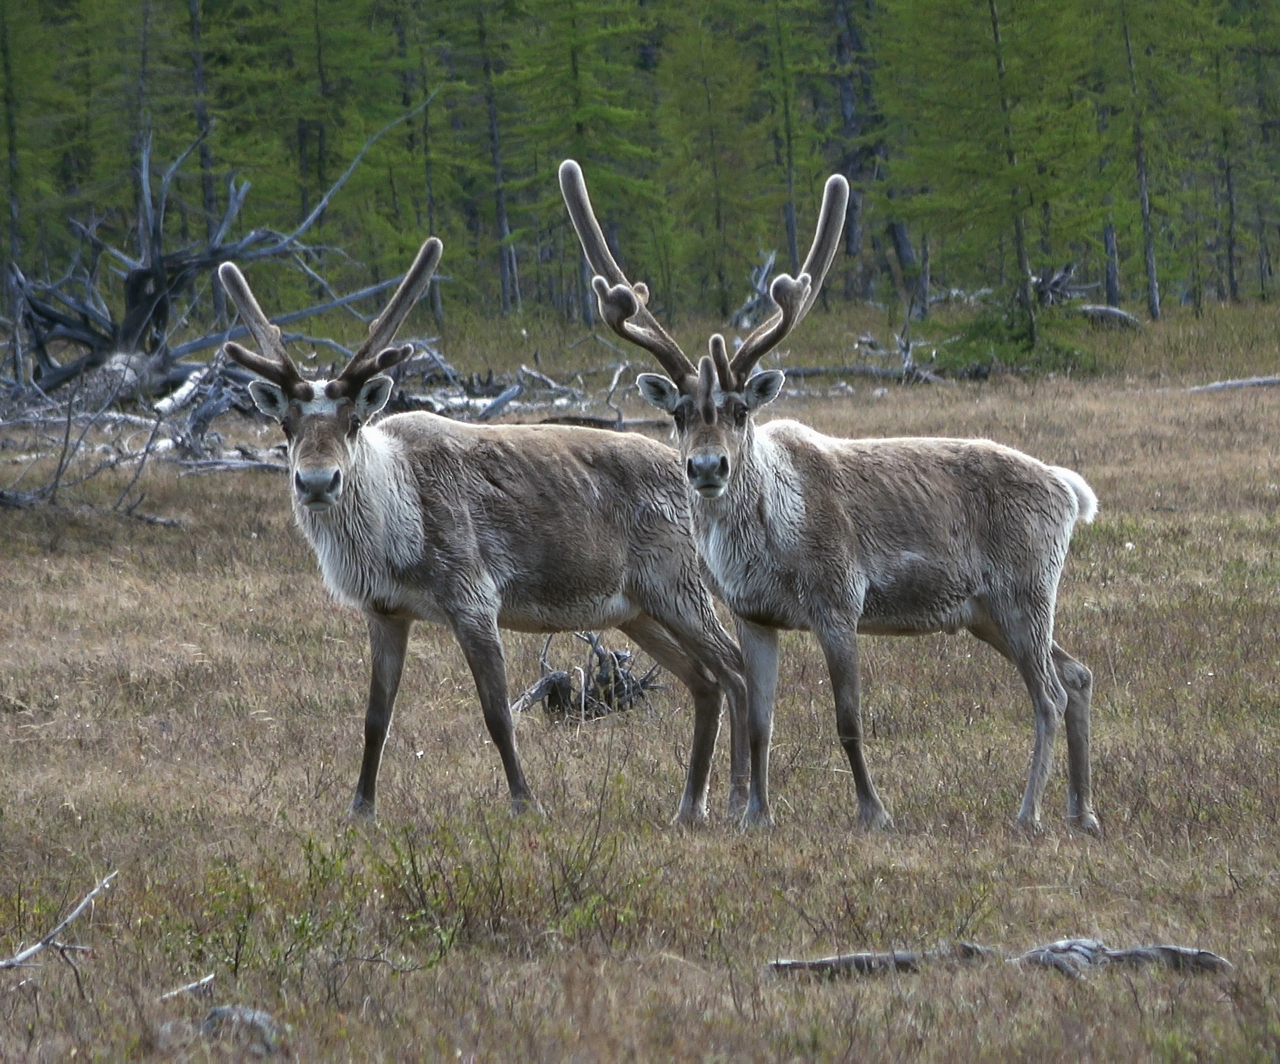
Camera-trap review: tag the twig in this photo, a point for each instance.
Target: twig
(200, 986)
(51, 939)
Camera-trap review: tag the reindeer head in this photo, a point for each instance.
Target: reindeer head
(712, 404)
(322, 419)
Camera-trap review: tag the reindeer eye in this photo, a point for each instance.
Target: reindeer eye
(353, 426)
(739, 414)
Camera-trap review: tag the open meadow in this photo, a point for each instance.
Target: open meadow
(185, 705)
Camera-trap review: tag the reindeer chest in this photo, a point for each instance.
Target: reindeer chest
(749, 576)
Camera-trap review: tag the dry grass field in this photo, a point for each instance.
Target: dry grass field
(185, 706)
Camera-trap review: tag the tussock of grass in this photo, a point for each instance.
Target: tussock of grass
(185, 705)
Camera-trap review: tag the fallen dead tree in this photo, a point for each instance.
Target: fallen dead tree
(71, 310)
(605, 683)
(1073, 957)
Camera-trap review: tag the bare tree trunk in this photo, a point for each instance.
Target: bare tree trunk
(204, 126)
(849, 43)
(788, 139)
(585, 296)
(1140, 161)
(11, 136)
(922, 289)
(437, 303)
(141, 131)
(1113, 263)
(506, 251)
(1264, 252)
(1026, 298)
(1233, 284)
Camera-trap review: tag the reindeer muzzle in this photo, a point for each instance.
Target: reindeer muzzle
(708, 473)
(318, 488)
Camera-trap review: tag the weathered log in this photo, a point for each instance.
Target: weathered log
(1073, 957)
(1102, 315)
(1243, 382)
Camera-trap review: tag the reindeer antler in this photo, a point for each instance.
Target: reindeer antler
(795, 295)
(274, 363)
(622, 304)
(376, 354)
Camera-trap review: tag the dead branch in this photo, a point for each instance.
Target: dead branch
(1243, 382)
(20, 958)
(1073, 957)
(608, 684)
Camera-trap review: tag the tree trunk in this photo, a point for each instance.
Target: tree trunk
(788, 142)
(922, 288)
(204, 126)
(1140, 162)
(586, 294)
(849, 43)
(506, 251)
(1113, 263)
(1233, 284)
(12, 305)
(141, 122)
(1264, 252)
(1026, 298)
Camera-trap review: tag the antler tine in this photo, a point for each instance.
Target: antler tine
(795, 296)
(274, 363)
(383, 329)
(622, 304)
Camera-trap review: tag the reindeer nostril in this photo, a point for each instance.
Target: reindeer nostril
(688, 469)
(297, 483)
(335, 481)
(724, 466)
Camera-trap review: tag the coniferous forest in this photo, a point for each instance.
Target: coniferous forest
(989, 143)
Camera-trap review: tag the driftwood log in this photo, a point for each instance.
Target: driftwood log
(1073, 957)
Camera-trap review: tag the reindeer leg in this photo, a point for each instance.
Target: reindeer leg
(388, 641)
(760, 665)
(666, 648)
(1078, 682)
(1028, 644)
(840, 645)
(482, 646)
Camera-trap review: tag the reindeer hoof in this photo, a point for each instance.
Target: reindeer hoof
(362, 809)
(527, 805)
(1086, 823)
(1030, 826)
(875, 818)
(691, 816)
(757, 819)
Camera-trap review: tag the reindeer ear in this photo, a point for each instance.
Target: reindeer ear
(660, 391)
(269, 398)
(763, 388)
(373, 396)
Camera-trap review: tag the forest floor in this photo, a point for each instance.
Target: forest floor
(184, 706)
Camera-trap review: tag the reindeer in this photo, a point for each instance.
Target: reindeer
(535, 528)
(798, 530)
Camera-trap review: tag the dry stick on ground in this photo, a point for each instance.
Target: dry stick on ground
(1070, 956)
(1243, 382)
(20, 959)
